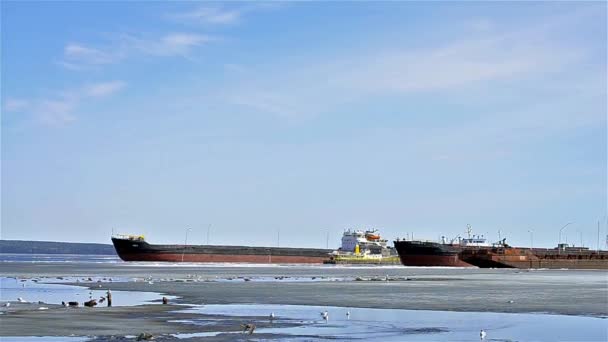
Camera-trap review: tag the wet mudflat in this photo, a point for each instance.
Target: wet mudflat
(386, 303)
(570, 292)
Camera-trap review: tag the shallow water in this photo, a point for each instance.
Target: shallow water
(44, 338)
(419, 325)
(63, 258)
(43, 290)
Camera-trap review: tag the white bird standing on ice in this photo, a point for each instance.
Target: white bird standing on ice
(7, 305)
(482, 334)
(325, 315)
(347, 314)
(21, 300)
(272, 315)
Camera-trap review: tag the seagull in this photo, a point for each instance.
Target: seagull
(272, 315)
(482, 334)
(6, 305)
(347, 314)
(21, 300)
(325, 315)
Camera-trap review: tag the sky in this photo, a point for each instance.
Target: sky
(286, 123)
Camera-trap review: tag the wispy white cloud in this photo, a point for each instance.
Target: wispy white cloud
(453, 65)
(103, 89)
(501, 55)
(60, 109)
(266, 102)
(173, 44)
(56, 112)
(216, 14)
(15, 105)
(480, 24)
(209, 15)
(79, 53)
(78, 56)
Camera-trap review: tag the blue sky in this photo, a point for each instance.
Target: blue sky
(307, 118)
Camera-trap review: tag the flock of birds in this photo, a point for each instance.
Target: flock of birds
(325, 317)
(250, 328)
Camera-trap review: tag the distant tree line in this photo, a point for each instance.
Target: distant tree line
(49, 247)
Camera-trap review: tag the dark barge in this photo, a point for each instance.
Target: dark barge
(135, 248)
(501, 255)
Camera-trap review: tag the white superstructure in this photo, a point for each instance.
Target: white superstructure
(362, 242)
(470, 241)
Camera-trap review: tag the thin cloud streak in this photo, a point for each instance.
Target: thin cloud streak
(456, 65)
(15, 105)
(220, 15)
(59, 110)
(209, 15)
(104, 89)
(77, 56)
(173, 44)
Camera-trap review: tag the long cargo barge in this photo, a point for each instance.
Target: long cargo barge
(476, 252)
(135, 248)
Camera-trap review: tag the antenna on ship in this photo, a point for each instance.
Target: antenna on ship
(185, 243)
(279, 237)
(598, 236)
(469, 230)
(208, 230)
(531, 238)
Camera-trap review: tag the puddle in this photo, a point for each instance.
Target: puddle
(33, 291)
(200, 334)
(416, 325)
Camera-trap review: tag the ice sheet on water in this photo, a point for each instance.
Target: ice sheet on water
(34, 290)
(59, 258)
(417, 325)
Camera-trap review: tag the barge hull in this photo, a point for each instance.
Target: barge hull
(140, 250)
(433, 260)
(254, 259)
(420, 253)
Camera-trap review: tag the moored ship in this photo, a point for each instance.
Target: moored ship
(476, 252)
(363, 247)
(135, 248)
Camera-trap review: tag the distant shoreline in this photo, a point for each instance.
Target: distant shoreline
(53, 247)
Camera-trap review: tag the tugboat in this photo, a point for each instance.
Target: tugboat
(363, 247)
